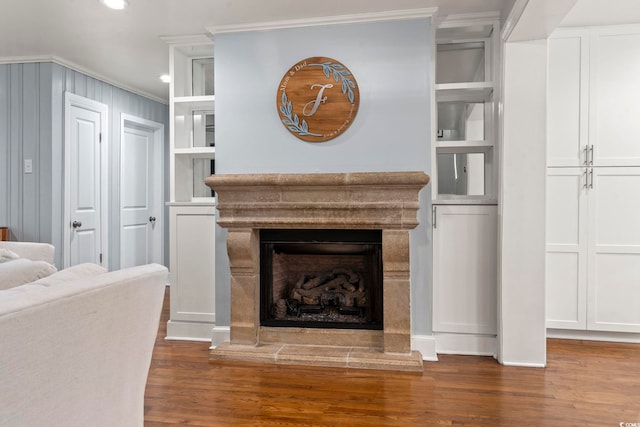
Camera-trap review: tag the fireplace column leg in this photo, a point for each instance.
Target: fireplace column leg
(397, 290)
(243, 246)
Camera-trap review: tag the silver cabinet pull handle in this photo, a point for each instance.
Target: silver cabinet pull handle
(434, 216)
(586, 179)
(591, 174)
(591, 152)
(76, 224)
(586, 155)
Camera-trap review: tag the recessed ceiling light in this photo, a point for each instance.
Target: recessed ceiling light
(166, 78)
(116, 4)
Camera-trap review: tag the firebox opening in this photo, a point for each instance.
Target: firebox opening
(321, 278)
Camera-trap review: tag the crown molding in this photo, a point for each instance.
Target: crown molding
(467, 19)
(512, 20)
(75, 67)
(188, 39)
(393, 15)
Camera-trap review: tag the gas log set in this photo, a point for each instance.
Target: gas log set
(330, 296)
(321, 279)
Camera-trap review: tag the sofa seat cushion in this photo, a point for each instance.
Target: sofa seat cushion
(21, 271)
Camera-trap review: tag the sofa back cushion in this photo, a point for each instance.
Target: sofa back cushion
(21, 271)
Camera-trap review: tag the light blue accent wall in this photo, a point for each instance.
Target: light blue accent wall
(32, 127)
(25, 133)
(391, 62)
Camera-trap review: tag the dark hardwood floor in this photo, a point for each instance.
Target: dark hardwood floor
(585, 384)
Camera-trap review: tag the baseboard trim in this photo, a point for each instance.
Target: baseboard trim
(466, 344)
(567, 334)
(425, 344)
(219, 335)
(525, 365)
(189, 331)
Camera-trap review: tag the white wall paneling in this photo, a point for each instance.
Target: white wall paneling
(31, 127)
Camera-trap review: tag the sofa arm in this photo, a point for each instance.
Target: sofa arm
(31, 250)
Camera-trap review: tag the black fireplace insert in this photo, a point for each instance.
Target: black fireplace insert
(321, 278)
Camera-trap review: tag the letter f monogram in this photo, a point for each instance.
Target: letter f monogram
(316, 102)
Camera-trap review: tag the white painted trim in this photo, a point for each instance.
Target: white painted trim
(524, 365)
(468, 19)
(466, 344)
(392, 15)
(622, 337)
(512, 20)
(158, 140)
(187, 39)
(73, 100)
(75, 67)
(188, 331)
(425, 344)
(220, 335)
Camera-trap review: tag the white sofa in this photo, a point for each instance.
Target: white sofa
(75, 346)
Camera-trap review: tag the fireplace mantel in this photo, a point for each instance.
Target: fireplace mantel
(386, 201)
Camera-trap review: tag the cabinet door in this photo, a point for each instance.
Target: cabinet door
(192, 267)
(567, 130)
(614, 101)
(566, 257)
(614, 250)
(464, 285)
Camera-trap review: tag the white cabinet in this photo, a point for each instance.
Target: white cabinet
(567, 101)
(192, 203)
(464, 186)
(592, 103)
(566, 258)
(192, 254)
(593, 249)
(464, 267)
(593, 180)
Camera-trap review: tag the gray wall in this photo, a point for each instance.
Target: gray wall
(391, 62)
(32, 127)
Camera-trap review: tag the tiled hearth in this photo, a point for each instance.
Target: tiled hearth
(386, 201)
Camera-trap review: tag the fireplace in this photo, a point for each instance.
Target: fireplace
(336, 251)
(321, 279)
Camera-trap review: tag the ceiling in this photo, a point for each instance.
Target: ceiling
(124, 47)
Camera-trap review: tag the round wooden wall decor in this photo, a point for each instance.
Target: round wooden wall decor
(317, 99)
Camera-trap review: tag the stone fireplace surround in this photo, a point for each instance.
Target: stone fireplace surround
(386, 201)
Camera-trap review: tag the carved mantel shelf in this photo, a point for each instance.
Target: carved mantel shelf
(386, 201)
(377, 200)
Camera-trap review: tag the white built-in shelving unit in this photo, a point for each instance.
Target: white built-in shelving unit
(464, 185)
(192, 203)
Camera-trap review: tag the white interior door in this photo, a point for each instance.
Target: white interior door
(141, 236)
(85, 172)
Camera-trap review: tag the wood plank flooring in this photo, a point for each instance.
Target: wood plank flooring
(585, 384)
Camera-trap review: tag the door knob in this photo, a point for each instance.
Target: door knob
(152, 220)
(76, 224)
